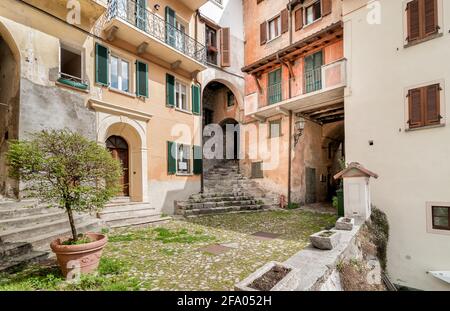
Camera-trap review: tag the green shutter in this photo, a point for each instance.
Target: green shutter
(141, 79)
(171, 159)
(196, 106)
(198, 161)
(170, 90)
(101, 65)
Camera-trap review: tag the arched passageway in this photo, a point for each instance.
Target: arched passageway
(9, 106)
(221, 107)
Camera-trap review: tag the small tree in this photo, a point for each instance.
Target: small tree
(65, 169)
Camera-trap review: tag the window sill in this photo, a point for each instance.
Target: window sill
(274, 39)
(184, 174)
(419, 41)
(414, 129)
(121, 92)
(312, 23)
(61, 84)
(184, 111)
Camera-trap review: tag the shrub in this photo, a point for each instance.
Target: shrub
(379, 230)
(65, 169)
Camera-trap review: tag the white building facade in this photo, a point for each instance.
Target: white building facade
(396, 110)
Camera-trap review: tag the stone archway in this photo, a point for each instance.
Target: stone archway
(135, 136)
(9, 106)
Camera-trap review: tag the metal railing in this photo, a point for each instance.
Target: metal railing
(322, 78)
(156, 27)
(313, 80)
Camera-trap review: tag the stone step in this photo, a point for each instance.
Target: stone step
(136, 221)
(126, 211)
(27, 221)
(8, 250)
(120, 200)
(42, 242)
(222, 210)
(22, 209)
(15, 261)
(220, 199)
(209, 205)
(26, 233)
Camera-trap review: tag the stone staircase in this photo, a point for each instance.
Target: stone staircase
(27, 228)
(226, 190)
(121, 212)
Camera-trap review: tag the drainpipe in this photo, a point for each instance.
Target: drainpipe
(290, 21)
(290, 158)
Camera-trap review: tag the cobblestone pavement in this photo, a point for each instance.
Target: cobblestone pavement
(172, 256)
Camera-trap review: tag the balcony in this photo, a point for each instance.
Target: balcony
(320, 88)
(148, 32)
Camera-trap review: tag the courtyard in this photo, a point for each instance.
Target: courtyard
(205, 253)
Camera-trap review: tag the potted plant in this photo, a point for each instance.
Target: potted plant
(64, 169)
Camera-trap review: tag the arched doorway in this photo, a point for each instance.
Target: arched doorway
(231, 143)
(9, 106)
(119, 150)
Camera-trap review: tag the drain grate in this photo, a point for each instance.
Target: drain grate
(215, 249)
(265, 235)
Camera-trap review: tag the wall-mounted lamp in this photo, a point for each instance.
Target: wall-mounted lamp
(157, 6)
(298, 130)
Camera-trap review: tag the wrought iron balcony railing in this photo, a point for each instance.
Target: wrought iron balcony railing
(322, 78)
(147, 21)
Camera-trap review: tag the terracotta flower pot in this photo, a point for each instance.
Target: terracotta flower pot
(86, 257)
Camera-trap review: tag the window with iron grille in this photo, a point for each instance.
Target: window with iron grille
(441, 217)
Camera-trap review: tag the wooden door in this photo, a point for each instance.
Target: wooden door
(119, 150)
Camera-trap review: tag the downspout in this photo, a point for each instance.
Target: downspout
(290, 158)
(202, 176)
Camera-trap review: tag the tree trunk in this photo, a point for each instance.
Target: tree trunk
(72, 222)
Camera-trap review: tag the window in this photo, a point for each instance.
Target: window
(183, 159)
(230, 99)
(441, 217)
(120, 74)
(424, 106)
(71, 68)
(257, 171)
(313, 13)
(211, 44)
(181, 96)
(422, 19)
(274, 87)
(313, 72)
(274, 27)
(275, 128)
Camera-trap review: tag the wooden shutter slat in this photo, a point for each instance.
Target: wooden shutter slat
(263, 33)
(225, 47)
(141, 79)
(196, 103)
(171, 158)
(101, 65)
(299, 19)
(284, 21)
(430, 12)
(413, 13)
(432, 107)
(170, 90)
(198, 160)
(326, 7)
(415, 108)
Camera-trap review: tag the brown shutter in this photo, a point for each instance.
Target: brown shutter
(225, 47)
(263, 33)
(415, 108)
(431, 22)
(259, 1)
(299, 19)
(284, 21)
(326, 7)
(432, 107)
(413, 13)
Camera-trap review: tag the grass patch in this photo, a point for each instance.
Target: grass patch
(180, 236)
